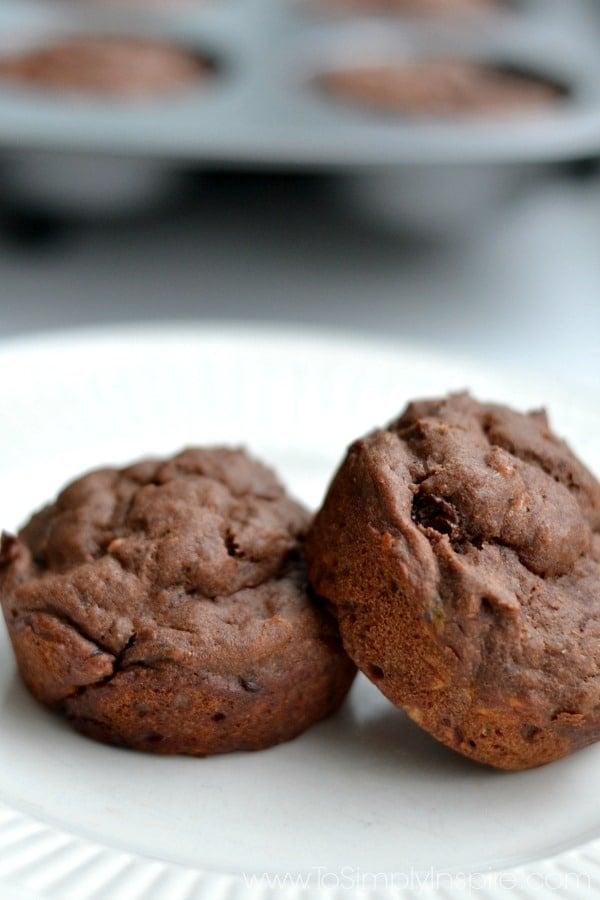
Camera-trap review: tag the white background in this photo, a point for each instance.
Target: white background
(522, 288)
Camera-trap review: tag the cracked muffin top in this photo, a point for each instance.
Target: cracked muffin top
(460, 547)
(164, 607)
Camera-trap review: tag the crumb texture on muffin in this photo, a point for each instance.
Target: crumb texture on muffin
(164, 606)
(460, 547)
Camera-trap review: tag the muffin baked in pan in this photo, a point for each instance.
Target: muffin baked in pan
(460, 549)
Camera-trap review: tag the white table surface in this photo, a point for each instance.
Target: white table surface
(524, 290)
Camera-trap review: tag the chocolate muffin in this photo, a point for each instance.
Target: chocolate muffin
(416, 8)
(164, 607)
(441, 88)
(460, 548)
(106, 64)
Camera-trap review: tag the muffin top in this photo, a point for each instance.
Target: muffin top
(460, 547)
(105, 64)
(195, 557)
(427, 8)
(446, 87)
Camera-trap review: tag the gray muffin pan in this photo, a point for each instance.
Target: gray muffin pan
(262, 107)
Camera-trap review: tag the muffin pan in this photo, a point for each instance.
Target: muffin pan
(264, 105)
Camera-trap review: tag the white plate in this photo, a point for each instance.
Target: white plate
(362, 801)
